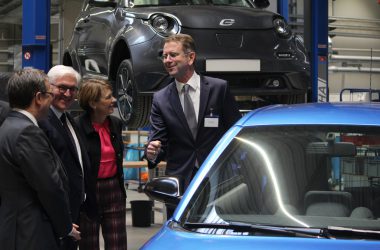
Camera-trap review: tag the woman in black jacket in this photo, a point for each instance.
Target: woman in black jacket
(102, 134)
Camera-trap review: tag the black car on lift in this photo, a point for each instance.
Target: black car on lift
(253, 49)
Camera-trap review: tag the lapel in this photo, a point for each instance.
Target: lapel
(58, 126)
(205, 91)
(176, 104)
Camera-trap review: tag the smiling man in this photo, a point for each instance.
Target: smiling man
(190, 115)
(34, 209)
(64, 136)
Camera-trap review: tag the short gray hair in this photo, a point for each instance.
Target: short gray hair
(59, 71)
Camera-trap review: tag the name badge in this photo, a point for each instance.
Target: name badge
(211, 122)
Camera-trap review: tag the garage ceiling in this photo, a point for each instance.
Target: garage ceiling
(11, 10)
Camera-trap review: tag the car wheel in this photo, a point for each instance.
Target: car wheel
(134, 109)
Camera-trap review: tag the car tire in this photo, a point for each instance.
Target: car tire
(134, 109)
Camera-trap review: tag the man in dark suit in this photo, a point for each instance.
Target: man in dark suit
(4, 110)
(63, 134)
(34, 207)
(190, 115)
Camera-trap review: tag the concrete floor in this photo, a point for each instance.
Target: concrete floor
(137, 236)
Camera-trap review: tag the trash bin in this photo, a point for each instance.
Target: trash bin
(141, 213)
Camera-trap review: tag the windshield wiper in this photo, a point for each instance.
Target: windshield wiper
(344, 232)
(330, 232)
(245, 227)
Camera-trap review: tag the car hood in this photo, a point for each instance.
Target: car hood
(166, 238)
(210, 17)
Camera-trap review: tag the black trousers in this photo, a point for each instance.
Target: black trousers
(68, 243)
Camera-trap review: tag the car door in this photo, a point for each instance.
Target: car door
(95, 36)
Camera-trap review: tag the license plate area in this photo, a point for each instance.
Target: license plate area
(233, 65)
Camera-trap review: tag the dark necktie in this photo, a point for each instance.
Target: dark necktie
(67, 130)
(189, 111)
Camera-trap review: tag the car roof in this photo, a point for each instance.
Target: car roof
(314, 113)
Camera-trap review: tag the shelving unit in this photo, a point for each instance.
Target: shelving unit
(360, 170)
(139, 137)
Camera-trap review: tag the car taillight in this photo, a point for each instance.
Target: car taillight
(281, 27)
(165, 25)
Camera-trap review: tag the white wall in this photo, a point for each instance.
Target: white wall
(356, 9)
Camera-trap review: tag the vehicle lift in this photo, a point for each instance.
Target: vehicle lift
(36, 50)
(316, 42)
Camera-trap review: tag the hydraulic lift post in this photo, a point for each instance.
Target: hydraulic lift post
(316, 41)
(36, 34)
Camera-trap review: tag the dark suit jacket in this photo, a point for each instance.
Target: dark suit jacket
(4, 110)
(92, 146)
(34, 207)
(78, 184)
(169, 125)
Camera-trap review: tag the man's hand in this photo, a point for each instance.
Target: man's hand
(153, 149)
(75, 233)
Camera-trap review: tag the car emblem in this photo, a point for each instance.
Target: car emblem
(227, 22)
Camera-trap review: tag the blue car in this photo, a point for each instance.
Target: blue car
(303, 176)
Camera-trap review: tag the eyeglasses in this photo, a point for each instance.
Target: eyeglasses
(49, 93)
(172, 55)
(63, 89)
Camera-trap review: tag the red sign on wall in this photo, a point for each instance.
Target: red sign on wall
(27, 55)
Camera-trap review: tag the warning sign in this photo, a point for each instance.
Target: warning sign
(27, 55)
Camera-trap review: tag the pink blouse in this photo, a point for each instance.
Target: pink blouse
(107, 166)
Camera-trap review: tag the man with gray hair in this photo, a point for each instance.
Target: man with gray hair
(34, 206)
(67, 142)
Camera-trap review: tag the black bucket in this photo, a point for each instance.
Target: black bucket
(141, 213)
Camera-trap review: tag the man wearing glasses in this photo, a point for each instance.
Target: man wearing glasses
(190, 115)
(34, 206)
(66, 140)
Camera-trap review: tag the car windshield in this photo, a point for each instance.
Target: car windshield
(242, 3)
(309, 177)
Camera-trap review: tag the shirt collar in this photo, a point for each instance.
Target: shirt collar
(193, 83)
(56, 112)
(27, 114)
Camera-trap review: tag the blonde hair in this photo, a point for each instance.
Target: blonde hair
(91, 91)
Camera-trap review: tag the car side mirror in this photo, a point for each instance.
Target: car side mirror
(165, 189)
